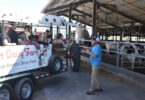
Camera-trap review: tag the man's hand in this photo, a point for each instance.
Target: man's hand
(83, 51)
(87, 51)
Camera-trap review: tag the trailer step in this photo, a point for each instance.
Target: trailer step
(39, 76)
(42, 76)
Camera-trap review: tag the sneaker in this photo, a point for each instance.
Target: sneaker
(90, 92)
(98, 90)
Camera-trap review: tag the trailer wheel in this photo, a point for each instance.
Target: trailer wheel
(6, 92)
(23, 90)
(54, 65)
(75, 57)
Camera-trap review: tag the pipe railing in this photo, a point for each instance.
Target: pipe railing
(119, 52)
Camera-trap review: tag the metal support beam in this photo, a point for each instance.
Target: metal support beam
(98, 19)
(31, 28)
(70, 17)
(51, 31)
(66, 32)
(130, 38)
(83, 22)
(117, 58)
(113, 34)
(3, 32)
(121, 36)
(80, 2)
(57, 29)
(123, 31)
(94, 16)
(75, 4)
(139, 34)
(119, 12)
(59, 13)
(116, 34)
(77, 20)
(106, 36)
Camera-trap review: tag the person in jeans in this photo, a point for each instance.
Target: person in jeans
(95, 60)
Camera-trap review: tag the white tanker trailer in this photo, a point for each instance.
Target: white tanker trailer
(82, 34)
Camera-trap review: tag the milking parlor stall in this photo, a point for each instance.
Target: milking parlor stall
(120, 24)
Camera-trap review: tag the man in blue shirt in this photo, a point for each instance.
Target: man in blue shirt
(95, 60)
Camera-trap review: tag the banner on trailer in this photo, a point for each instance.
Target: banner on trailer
(14, 59)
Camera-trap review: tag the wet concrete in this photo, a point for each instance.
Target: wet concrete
(73, 86)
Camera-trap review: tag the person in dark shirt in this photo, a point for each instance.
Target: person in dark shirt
(13, 34)
(4, 38)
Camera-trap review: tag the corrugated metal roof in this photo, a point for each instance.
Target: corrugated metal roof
(133, 8)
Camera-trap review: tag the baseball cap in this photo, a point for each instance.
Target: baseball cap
(96, 38)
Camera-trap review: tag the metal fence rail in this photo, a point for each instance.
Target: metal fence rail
(119, 55)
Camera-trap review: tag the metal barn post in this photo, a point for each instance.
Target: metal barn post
(70, 17)
(51, 30)
(94, 31)
(117, 58)
(3, 32)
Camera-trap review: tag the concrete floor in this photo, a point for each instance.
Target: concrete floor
(73, 86)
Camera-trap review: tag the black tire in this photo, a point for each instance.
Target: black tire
(6, 90)
(55, 65)
(75, 54)
(20, 91)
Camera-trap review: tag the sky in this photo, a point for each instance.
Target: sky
(34, 6)
(24, 7)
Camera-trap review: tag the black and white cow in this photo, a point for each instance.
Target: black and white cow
(134, 50)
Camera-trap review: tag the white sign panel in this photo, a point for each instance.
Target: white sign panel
(14, 59)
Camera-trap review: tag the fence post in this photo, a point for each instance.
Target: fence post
(117, 58)
(31, 28)
(3, 32)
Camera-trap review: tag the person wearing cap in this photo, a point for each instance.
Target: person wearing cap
(95, 60)
(12, 33)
